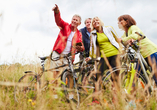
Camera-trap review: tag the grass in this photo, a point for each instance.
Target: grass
(45, 101)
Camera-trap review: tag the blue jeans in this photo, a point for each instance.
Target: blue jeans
(153, 56)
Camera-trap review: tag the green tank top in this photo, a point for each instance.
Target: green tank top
(106, 46)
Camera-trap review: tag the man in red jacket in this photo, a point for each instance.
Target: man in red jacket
(67, 38)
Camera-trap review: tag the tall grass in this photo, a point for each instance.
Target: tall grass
(46, 100)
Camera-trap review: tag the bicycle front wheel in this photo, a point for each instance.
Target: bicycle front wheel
(138, 84)
(27, 88)
(86, 85)
(70, 89)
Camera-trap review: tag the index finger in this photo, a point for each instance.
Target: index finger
(55, 7)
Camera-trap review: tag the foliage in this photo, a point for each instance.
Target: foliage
(47, 101)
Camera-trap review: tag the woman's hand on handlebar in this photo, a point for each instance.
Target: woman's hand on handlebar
(130, 41)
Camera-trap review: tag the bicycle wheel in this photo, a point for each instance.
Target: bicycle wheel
(27, 88)
(86, 84)
(70, 89)
(138, 84)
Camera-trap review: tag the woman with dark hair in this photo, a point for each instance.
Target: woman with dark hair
(148, 48)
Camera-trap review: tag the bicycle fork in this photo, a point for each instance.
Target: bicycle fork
(72, 70)
(130, 79)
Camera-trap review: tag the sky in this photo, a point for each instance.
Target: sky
(28, 29)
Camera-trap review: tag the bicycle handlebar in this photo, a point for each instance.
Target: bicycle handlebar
(63, 56)
(135, 42)
(142, 36)
(57, 58)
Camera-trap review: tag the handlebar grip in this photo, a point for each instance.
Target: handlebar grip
(140, 35)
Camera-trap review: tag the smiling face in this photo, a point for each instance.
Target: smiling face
(76, 21)
(96, 23)
(88, 23)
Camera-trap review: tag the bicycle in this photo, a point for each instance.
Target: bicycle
(129, 77)
(33, 80)
(84, 81)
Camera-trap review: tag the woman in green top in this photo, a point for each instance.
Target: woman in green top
(103, 42)
(148, 48)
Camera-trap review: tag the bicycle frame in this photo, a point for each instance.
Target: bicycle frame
(142, 63)
(131, 74)
(68, 57)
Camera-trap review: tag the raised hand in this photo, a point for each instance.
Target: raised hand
(55, 9)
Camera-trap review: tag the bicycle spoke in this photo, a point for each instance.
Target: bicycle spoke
(26, 92)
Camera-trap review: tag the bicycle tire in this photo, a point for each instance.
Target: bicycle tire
(123, 77)
(86, 85)
(27, 91)
(86, 81)
(71, 92)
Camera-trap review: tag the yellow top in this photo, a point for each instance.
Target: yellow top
(147, 46)
(106, 46)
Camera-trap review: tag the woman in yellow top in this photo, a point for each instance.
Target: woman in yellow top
(148, 48)
(103, 42)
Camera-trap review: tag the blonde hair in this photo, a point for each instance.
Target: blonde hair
(101, 23)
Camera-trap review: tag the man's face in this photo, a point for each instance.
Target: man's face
(75, 22)
(87, 23)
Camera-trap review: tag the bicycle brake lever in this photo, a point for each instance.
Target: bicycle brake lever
(135, 44)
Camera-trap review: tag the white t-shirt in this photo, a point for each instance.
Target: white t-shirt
(69, 42)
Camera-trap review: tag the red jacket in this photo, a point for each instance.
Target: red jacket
(65, 30)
